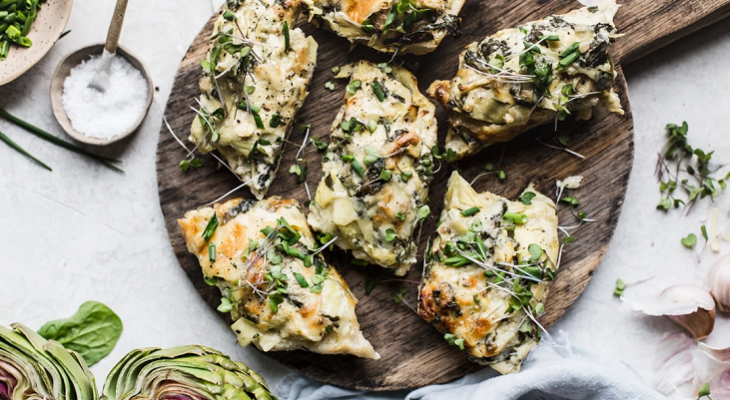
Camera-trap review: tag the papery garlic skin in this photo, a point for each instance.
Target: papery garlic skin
(712, 365)
(673, 362)
(718, 280)
(690, 306)
(699, 324)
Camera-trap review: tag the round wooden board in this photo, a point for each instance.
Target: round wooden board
(413, 353)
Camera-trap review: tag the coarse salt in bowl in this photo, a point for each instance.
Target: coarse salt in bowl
(104, 115)
(100, 118)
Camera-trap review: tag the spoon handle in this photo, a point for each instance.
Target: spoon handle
(115, 29)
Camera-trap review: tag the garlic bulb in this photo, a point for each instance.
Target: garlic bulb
(690, 306)
(718, 280)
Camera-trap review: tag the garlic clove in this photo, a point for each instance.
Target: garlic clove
(690, 306)
(712, 365)
(718, 280)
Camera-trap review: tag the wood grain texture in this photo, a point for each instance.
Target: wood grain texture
(413, 353)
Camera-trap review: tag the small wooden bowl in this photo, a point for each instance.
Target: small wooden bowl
(45, 31)
(64, 70)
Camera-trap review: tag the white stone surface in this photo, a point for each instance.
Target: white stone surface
(83, 232)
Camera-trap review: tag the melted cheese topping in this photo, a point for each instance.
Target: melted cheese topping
(376, 215)
(472, 301)
(280, 78)
(438, 19)
(322, 322)
(492, 98)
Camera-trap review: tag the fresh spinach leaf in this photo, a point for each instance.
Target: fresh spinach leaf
(92, 332)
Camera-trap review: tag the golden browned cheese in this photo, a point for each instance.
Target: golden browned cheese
(252, 87)
(532, 75)
(416, 26)
(377, 170)
(488, 269)
(281, 292)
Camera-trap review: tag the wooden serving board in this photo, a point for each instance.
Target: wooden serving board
(413, 353)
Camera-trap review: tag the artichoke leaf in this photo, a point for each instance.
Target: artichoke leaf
(33, 368)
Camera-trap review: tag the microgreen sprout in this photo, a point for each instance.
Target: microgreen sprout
(526, 198)
(670, 175)
(399, 295)
(704, 391)
(454, 340)
(689, 241)
(561, 148)
(618, 291)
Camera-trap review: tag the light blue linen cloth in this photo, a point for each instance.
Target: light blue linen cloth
(553, 371)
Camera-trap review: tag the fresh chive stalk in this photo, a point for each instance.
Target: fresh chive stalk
(22, 151)
(58, 142)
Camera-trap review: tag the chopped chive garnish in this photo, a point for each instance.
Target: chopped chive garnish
(301, 280)
(517, 218)
(211, 252)
(569, 59)
(469, 212)
(285, 28)
(211, 227)
(229, 16)
(378, 90)
(275, 120)
(353, 86)
(570, 50)
(357, 167)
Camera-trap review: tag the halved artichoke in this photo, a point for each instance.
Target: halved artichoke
(33, 368)
(183, 373)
